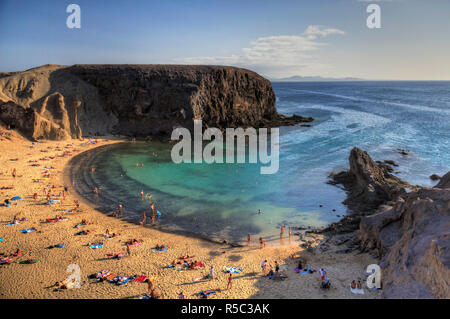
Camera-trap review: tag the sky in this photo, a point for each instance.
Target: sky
(276, 38)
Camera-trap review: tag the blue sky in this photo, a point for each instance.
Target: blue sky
(275, 38)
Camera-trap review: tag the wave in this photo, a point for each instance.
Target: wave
(359, 99)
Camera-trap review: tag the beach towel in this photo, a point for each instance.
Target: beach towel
(14, 222)
(176, 268)
(357, 291)
(141, 278)
(55, 220)
(205, 293)
(5, 260)
(116, 255)
(134, 245)
(2, 239)
(29, 261)
(232, 270)
(308, 270)
(28, 230)
(165, 249)
(123, 280)
(102, 274)
(96, 245)
(145, 296)
(57, 246)
(110, 277)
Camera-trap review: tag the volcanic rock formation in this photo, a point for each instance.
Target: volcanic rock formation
(135, 100)
(368, 184)
(408, 231)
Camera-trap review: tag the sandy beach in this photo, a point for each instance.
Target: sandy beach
(37, 280)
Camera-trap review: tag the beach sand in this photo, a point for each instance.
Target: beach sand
(36, 280)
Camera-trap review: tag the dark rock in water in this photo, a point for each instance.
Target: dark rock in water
(391, 162)
(412, 238)
(403, 152)
(444, 182)
(435, 177)
(137, 100)
(368, 184)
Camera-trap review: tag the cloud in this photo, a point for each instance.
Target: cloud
(313, 31)
(276, 56)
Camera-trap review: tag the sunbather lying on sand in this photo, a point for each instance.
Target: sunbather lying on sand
(17, 253)
(84, 232)
(134, 242)
(160, 247)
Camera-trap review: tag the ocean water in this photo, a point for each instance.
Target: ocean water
(220, 201)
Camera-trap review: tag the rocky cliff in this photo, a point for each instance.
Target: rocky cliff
(135, 100)
(412, 239)
(409, 231)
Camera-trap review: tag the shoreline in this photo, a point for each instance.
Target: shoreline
(34, 281)
(100, 205)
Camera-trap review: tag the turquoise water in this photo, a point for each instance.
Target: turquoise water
(221, 201)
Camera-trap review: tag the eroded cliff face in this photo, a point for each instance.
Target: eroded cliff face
(141, 100)
(408, 230)
(412, 238)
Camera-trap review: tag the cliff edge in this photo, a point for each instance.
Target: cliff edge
(135, 100)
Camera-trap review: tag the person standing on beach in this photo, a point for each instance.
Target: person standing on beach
(282, 231)
(128, 250)
(150, 285)
(261, 242)
(120, 209)
(14, 173)
(144, 218)
(211, 272)
(263, 266)
(290, 231)
(152, 207)
(249, 238)
(230, 281)
(277, 269)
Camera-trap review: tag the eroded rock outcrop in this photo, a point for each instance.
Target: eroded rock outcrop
(409, 231)
(30, 123)
(142, 100)
(412, 238)
(369, 184)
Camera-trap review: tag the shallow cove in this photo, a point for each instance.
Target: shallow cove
(215, 201)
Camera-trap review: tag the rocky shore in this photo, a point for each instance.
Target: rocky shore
(407, 228)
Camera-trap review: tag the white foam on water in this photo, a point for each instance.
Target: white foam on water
(339, 122)
(359, 99)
